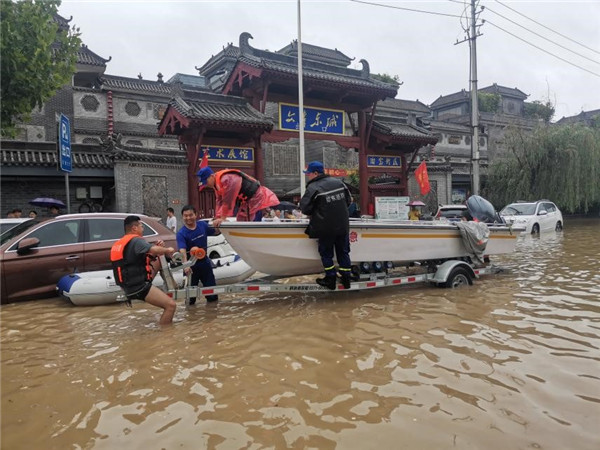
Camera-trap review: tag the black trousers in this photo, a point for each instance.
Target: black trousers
(341, 245)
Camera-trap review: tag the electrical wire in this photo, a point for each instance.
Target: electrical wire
(544, 26)
(539, 48)
(539, 35)
(405, 9)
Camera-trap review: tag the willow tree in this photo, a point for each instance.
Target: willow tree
(560, 163)
(38, 58)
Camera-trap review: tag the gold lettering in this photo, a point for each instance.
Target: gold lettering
(244, 154)
(291, 117)
(220, 154)
(331, 122)
(231, 154)
(317, 121)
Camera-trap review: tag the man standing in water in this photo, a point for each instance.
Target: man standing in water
(194, 233)
(132, 258)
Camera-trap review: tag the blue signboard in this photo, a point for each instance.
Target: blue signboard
(384, 161)
(236, 154)
(64, 144)
(316, 120)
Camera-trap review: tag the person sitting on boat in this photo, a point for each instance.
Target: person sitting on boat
(414, 213)
(326, 202)
(194, 233)
(233, 188)
(132, 258)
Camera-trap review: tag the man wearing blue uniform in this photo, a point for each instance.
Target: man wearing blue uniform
(194, 233)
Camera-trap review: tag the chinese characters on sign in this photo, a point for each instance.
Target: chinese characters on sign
(329, 121)
(391, 208)
(237, 154)
(384, 161)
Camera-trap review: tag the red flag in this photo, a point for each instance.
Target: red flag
(204, 162)
(423, 178)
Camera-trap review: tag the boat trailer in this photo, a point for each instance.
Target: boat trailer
(450, 274)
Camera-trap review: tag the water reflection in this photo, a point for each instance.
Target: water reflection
(510, 362)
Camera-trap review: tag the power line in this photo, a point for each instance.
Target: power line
(547, 28)
(405, 9)
(539, 35)
(539, 48)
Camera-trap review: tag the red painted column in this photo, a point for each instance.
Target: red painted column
(363, 172)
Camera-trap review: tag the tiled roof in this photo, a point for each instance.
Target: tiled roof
(316, 53)
(438, 125)
(220, 108)
(124, 153)
(22, 157)
(444, 100)
(317, 71)
(504, 91)
(400, 130)
(403, 105)
(583, 116)
(116, 83)
(193, 81)
(86, 56)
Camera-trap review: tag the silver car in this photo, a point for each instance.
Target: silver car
(542, 215)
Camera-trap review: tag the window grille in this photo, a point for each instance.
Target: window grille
(133, 109)
(90, 103)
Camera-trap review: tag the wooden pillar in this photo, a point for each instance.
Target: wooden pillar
(193, 153)
(363, 172)
(259, 167)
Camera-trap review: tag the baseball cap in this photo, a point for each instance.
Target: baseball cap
(314, 166)
(203, 175)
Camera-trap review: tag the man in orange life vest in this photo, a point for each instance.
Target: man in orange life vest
(233, 188)
(132, 258)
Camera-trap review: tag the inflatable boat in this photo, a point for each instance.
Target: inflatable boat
(99, 287)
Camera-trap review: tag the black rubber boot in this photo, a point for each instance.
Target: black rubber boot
(327, 281)
(346, 280)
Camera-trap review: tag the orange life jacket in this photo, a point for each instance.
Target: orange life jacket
(249, 184)
(130, 272)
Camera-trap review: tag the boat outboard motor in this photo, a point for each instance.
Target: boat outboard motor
(482, 210)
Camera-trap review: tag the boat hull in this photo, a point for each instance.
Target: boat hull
(283, 249)
(99, 287)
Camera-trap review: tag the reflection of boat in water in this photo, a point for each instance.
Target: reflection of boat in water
(283, 249)
(99, 287)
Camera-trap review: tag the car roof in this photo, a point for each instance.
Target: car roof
(15, 219)
(453, 206)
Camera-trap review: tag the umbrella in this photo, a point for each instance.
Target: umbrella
(46, 202)
(416, 203)
(285, 206)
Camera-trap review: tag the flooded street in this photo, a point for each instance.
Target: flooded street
(511, 362)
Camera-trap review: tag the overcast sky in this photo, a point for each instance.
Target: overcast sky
(148, 37)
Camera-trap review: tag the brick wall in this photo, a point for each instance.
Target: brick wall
(129, 181)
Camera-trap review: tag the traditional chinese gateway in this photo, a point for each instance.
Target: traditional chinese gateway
(253, 124)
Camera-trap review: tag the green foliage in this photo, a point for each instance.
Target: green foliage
(37, 58)
(539, 110)
(488, 102)
(353, 180)
(595, 122)
(395, 79)
(560, 163)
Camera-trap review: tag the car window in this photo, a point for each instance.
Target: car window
(107, 229)
(62, 232)
(10, 230)
(549, 207)
(451, 213)
(519, 209)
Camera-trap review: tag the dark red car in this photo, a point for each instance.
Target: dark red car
(37, 254)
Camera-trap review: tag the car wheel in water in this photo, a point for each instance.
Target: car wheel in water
(458, 277)
(558, 226)
(535, 229)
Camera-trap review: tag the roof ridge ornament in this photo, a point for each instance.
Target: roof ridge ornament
(366, 70)
(245, 47)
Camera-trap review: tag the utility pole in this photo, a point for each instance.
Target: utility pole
(300, 104)
(474, 103)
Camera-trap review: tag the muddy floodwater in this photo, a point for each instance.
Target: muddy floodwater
(512, 362)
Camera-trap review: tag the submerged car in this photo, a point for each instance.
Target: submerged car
(453, 213)
(541, 215)
(35, 255)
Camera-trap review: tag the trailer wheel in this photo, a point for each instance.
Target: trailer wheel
(458, 277)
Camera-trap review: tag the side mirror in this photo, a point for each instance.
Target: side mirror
(543, 212)
(25, 245)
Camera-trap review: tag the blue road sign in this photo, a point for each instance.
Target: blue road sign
(64, 143)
